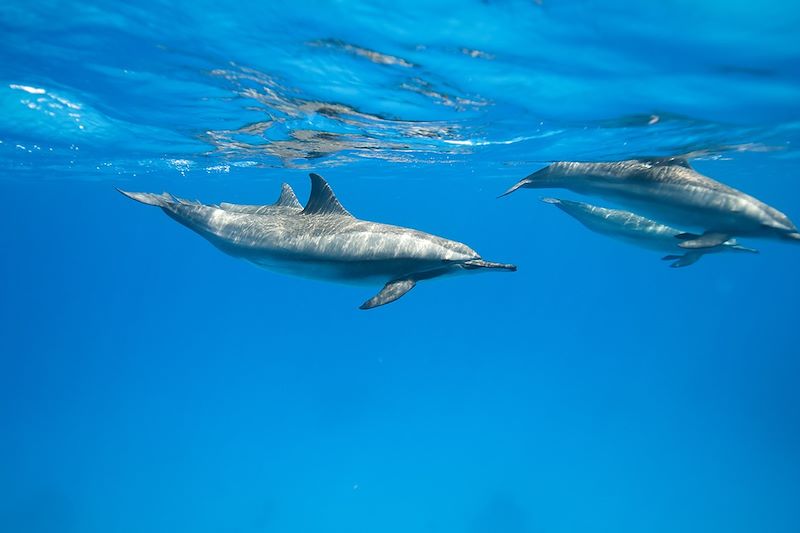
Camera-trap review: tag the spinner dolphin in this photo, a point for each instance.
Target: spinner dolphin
(640, 231)
(671, 191)
(324, 241)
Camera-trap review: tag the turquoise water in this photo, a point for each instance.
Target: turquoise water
(150, 383)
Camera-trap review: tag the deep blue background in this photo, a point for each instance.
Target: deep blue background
(150, 383)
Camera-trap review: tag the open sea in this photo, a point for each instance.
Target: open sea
(150, 383)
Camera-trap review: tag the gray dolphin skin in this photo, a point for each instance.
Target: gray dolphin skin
(671, 191)
(641, 231)
(324, 241)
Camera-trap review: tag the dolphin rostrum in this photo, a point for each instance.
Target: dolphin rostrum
(324, 241)
(669, 190)
(641, 231)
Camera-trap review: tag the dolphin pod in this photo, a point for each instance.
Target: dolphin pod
(641, 231)
(323, 240)
(671, 192)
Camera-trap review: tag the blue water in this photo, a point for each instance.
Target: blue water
(149, 383)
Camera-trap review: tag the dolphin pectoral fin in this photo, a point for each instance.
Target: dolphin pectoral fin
(689, 258)
(389, 293)
(709, 239)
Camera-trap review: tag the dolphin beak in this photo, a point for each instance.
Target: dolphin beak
(480, 263)
(528, 181)
(521, 183)
(794, 236)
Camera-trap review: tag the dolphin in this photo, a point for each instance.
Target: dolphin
(640, 231)
(669, 190)
(324, 241)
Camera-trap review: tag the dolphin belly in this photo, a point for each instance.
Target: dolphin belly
(366, 272)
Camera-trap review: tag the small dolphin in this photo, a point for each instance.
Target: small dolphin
(670, 190)
(640, 231)
(324, 241)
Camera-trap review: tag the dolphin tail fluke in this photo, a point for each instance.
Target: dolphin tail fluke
(158, 200)
(389, 293)
(689, 258)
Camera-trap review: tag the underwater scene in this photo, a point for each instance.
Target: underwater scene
(239, 284)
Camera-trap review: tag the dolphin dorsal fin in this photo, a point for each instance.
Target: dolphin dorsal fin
(287, 198)
(322, 201)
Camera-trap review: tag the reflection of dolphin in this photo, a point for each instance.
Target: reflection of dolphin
(324, 241)
(670, 190)
(640, 231)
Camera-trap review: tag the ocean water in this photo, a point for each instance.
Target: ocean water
(150, 383)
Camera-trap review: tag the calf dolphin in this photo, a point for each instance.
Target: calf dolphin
(669, 190)
(640, 231)
(324, 241)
